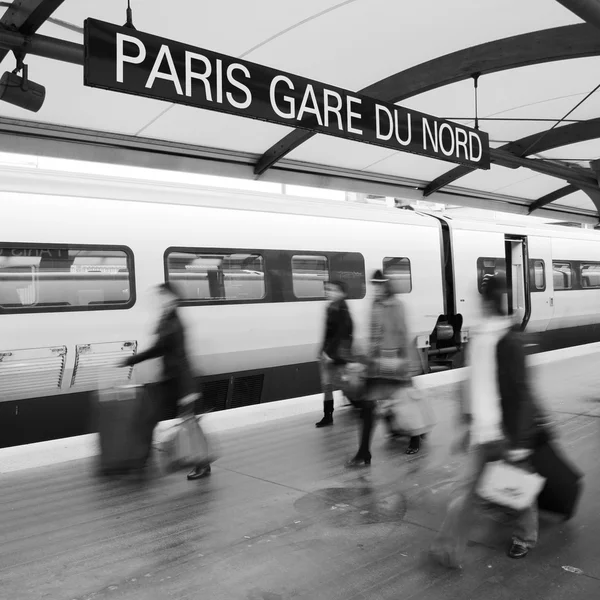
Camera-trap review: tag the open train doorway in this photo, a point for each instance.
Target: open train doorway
(517, 279)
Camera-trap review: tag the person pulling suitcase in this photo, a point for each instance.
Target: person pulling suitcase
(177, 388)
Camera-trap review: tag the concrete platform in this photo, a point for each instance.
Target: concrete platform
(280, 517)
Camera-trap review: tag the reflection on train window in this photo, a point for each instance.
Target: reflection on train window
(537, 275)
(590, 275)
(42, 278)
(310, 273)
(397, 270)
(487, 266)
(209, 276)
(562, 275)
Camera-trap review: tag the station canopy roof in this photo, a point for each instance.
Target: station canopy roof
(538, 64)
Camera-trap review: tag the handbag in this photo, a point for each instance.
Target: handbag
(510, 486)
(390, 365)
(411, 411)
(352, 381)
(186, 445)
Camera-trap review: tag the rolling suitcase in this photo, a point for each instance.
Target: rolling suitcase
(563, 481)
(125, 425)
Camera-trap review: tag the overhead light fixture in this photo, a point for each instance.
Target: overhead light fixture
(21, 91)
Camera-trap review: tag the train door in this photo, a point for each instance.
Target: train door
(517, 278)
(540, 283)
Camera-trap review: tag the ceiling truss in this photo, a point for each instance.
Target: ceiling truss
(19, 25)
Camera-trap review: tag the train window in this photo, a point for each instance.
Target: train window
(398, 272)
(487, 266)
(35, 278)
(590, 275)
(208, 276)
(562, 275)
(537, 275)
(310, 273)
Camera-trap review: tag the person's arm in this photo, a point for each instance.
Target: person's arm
(156, 350)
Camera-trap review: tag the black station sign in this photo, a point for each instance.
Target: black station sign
(129, 61)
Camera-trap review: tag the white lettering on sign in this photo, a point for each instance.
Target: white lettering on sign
(388, 115)
(350, 115)
(288, 99)
(190, 74)
(408, 139)
(122, 58)
(156, 73)
(328, 108)
(447, 150)
(461, 142)
(202, 78)
(427, 133)
(474, 137)
(309, 93)
(230, 69)
(384, 117)
(219, 81)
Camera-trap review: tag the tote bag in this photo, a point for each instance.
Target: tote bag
(185, 445)
(510, 486)
(410, 409)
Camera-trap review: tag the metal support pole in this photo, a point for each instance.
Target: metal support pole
(41, 45)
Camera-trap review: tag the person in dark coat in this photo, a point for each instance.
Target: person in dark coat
(337, 345)
(177, 388)
(503, 422)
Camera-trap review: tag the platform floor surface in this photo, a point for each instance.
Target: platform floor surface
(280, 517)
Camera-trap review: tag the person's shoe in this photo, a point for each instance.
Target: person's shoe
(414, 445)
(518, 550)
(358, 461)
(325, 421)
(199, 472)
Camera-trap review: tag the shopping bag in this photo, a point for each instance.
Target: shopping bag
(185, 445)
(509, 485)
(410, 410)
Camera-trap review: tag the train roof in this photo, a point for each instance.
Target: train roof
(28, 180)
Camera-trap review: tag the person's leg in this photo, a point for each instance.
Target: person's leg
(450, 544)
(327, 385)
(525, 534)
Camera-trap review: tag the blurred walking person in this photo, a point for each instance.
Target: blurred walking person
(177, 388)
(502, 421)
(391, 362)
(336, 349)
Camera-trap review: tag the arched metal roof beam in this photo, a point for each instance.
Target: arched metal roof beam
(531, 144)
(553, 196)
(559, 43)
(588, 10)
(581, 177)
(26, 17)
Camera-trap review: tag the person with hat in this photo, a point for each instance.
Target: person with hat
(391, 361)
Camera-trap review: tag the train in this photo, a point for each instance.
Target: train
(80, 255)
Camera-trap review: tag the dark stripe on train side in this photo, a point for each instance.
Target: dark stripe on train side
(67, 415)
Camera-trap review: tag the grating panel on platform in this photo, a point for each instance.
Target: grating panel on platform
(31, 372)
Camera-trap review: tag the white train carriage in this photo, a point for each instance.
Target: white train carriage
(78, 257)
